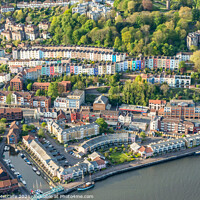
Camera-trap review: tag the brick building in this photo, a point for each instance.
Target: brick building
(100, 103)
(40, 101)
(17, 84)
(11, 114)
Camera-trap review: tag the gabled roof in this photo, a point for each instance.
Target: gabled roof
(101, 100)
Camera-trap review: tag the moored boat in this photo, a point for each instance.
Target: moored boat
(38, 173)
(34, 169)
(86, 186)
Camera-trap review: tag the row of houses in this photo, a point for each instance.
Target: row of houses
(25, 99)
(79, 132)
(45, 4)
(105, 141)
(41, 53)
(166, 146)
(181, 81)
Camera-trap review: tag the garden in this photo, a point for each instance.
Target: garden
(119, 155)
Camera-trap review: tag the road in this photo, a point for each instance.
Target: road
(24, 190)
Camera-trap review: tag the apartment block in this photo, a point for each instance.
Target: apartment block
(11, 114)
(40, 101)
(73, 100)
(185, 109)
(4, 77)
(64, 135)
(157, 104)
(173, 126)
(193, 39)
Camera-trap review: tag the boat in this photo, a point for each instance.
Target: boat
(28, 162)
(38, 173)
(22, 155)
(17, 150)
(38, 191)
(197, 153)
(16, 173)
(6, 148)
(87, 185)
(19, 176)
(12, 169)
(34, 169)
(23, 181)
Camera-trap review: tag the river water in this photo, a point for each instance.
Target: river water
(175, 180)
(33, 181)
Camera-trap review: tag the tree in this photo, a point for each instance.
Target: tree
(164, 87)
(29, 86)
(106, 154)
(2, 127)
(43, 124)
(41, 133)
(111, 149)
(102, 125)
(142, 135)
(53, 90)
(196, 59)
(116, 148)
(9, 98)
(182, 66)
(4, 120)
(38, 92)
(9, 88)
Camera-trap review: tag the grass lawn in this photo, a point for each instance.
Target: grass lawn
(119, 157)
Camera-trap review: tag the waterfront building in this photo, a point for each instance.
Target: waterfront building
(49, 163)
(79, 132)
(105, 141)
(13, 134)
(192, 140)
(167, 146)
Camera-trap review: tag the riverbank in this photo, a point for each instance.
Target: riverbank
(102, 175)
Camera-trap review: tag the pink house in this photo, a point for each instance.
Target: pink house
(100, 162)
(145, 151)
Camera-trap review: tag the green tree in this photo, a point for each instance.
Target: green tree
(41, 133)
(142, 135)
(9, 88)
(53, 90)
(4, 120)
(9, 98)
(43, 124)
(29, 86)
(111, 149)
(196, 59)
(102, 125)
